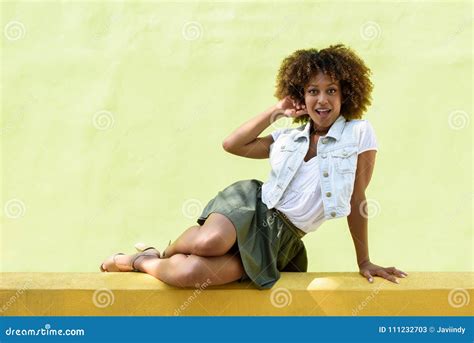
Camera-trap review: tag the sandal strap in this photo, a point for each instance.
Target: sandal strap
(140, 254)
(163, 254)
(142, 247)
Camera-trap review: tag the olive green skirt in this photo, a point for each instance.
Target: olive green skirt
(267, 242)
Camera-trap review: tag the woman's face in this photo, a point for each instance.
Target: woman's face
(323, 93)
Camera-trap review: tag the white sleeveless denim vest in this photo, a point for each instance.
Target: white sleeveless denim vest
(337, 157)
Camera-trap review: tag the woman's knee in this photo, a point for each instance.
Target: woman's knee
(212, 243)
(215, 237)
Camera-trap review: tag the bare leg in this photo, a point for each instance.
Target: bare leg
(208, 260)
(192, 271)
(214, 238)
(183, 244)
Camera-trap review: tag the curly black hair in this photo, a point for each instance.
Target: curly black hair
(340, 63)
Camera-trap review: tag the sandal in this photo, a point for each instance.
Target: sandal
(163, 255)
(143, 250)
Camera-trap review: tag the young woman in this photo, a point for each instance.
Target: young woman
(319, 171)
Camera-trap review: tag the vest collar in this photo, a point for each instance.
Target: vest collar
(335, 131)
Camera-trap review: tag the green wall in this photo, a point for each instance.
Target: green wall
(113, 115)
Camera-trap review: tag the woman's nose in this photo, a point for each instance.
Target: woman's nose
(322, 100)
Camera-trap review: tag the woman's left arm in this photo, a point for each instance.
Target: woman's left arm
(358, 222)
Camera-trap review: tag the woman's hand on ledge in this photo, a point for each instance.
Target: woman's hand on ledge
(369, 270)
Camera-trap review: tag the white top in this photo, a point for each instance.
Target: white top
(302, 201)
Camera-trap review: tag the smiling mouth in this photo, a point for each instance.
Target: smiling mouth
(323, 112)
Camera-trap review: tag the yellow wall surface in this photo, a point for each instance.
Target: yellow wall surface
(113, 114)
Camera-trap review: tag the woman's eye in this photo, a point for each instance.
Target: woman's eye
(313, 91)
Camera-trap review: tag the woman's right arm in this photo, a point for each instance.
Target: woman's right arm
(244, 141)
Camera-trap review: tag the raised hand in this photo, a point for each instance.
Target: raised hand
(290, 108)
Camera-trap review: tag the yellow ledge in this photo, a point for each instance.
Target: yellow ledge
(295, 294)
